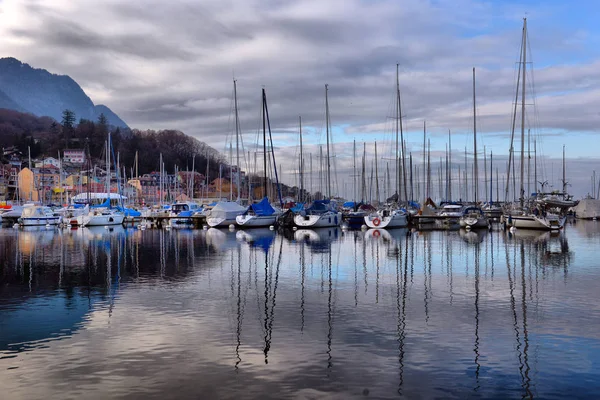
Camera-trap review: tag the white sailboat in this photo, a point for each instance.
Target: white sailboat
(262, 214)
(105, 215)
(224, 213)
(536, 215)
(322, 213)
(473, 216)
(393, 217)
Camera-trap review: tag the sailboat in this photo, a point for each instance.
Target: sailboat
(104, 215)
(537, 214)
(224, 213)
(392, 217)
(262, 214)
(473, 216)
(321, 213)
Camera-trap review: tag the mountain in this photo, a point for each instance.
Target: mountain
(41, 93)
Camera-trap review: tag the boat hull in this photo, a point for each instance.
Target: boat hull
(219, 222)
(101, 220)
(318, 220)
(473, 223)
(40, 221)
(255, 221)
(388, 222)
(533, 222)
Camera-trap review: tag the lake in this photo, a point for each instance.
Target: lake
(308, 314)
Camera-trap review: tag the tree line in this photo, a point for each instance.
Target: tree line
(43, 136)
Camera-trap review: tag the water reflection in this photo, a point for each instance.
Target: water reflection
(485, 313)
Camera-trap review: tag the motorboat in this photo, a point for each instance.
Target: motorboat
(181, 214)
(36, 215)
(450, 215)
(473, 217)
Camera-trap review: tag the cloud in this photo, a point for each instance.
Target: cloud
(171, 65)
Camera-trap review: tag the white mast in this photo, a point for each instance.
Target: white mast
(301, 162)
(237, 139)
(475, 170)
(523, 110)
(327, 131)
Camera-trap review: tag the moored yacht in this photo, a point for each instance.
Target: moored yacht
(35, 215)
(181, 214)
(320, 214)
(257, 215)
(101, 217)
(394, 218)
(473, 217)
(224, 214)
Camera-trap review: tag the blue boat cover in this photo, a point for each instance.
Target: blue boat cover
(129, 212)
(263, 208)
(319, 206)
(414, 204)
(298, 208)
(349, 204)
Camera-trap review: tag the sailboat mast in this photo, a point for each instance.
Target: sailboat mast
(564, 172)
(475, 170)
(354, 167)
(447, 175)
(399, 122)
(424, 159)
(535, 182)
(397, 132)
(428, 169)
(264, 116)
(491, 177)
(376, 175)
(237, 139)
(301, 161)
(528, 162)
(327, 131)
(484, 172)
(411, 178)
(449, 166)
(230, 172)
(363, 175)
(523, 109)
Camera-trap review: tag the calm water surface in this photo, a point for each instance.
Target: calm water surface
(99, 313)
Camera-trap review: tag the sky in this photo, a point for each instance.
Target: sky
(171, 65)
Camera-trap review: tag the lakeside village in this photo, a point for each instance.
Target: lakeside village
(70, 191)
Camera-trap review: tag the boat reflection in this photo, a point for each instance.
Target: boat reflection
(473, 236)
(319, 240)
(262, 238)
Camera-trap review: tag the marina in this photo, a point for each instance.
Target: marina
(315, 313)
(413, 213)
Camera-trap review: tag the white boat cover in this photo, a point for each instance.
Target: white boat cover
(226, 210)
(588, 209)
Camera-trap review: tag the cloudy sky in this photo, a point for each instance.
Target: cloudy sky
(171, 65)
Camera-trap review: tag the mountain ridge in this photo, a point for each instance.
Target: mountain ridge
(39, 92)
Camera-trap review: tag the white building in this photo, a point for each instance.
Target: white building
(47, 161)
(74, 156)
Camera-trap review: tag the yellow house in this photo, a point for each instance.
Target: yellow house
(27, 190)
